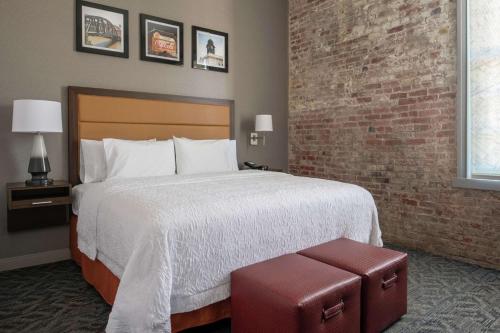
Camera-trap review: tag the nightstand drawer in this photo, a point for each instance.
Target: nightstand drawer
(41, 202)
(39, 217)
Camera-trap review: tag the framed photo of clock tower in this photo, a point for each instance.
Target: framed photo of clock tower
(210, 50)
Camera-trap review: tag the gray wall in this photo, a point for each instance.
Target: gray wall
(38, 61)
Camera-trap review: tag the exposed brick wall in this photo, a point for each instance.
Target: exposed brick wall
(372, 102)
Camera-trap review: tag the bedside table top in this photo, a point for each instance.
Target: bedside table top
(23, 186)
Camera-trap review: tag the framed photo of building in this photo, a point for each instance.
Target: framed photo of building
(162, 40)
(210, 50)
(101, 29)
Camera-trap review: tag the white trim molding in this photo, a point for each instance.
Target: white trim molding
(478, 184)
(34, 259)
(462, 89)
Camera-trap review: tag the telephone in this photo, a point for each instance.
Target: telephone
(253, 165)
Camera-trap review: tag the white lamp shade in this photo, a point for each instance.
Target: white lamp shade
(263, 123)
(36, 116)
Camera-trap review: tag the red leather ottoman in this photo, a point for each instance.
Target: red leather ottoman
(293, 294)
(384, 273)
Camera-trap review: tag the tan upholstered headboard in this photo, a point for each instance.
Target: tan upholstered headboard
(101, 113)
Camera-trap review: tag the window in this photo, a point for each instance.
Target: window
(479, 94)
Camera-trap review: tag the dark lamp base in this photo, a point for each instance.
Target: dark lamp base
(40, 182)
(39, 165)
(39, 179)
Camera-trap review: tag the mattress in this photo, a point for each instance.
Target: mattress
(173, 241)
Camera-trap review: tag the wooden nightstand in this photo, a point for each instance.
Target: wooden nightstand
(30, 207)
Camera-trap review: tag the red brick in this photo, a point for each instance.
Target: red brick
(407, 101)
(422, 92)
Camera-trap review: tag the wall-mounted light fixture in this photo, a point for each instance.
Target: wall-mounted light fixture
(263, 123)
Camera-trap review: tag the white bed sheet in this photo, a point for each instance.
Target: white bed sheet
(173, 241)
(77, 193)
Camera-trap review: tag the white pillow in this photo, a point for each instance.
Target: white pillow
(205, 156)
(232, 155)
(128, 159)
(93, 160)
(231, 151)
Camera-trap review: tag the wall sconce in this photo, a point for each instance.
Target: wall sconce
(263, 123)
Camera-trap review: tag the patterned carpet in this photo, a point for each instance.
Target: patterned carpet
(444, 296)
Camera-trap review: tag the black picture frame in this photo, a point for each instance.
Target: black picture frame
(143, 18)
(196, 64)
(111, 32)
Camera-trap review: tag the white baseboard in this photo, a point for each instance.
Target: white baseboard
(7, 264)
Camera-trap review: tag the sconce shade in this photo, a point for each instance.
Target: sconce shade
(263, 123)
(36, 116)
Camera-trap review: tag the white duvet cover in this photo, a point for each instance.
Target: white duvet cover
(173, 241)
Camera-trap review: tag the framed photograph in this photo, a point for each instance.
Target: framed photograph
(162, 40)
(101, 29)
(210, 50)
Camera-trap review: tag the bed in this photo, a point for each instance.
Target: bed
(161, 249)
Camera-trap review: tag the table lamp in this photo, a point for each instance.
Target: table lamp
(36, 116)
(263, 123)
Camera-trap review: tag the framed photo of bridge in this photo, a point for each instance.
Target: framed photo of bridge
(210, 49)
(101, 29)
(162, 40)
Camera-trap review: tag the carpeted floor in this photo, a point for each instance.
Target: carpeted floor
(443, 296)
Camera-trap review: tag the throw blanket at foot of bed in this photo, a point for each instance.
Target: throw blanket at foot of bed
(173, 241)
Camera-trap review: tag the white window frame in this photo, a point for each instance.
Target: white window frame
(465, 178)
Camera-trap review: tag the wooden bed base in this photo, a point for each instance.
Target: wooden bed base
(106, 284)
